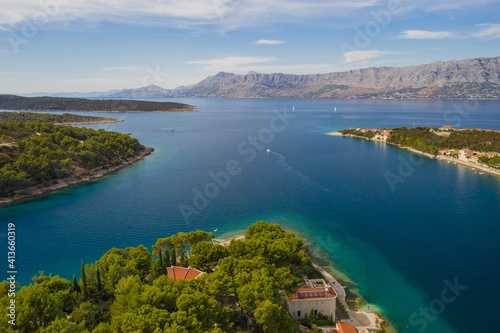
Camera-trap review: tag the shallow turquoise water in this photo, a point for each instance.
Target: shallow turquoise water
(398, 246)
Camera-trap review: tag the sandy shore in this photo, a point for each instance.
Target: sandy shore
(74, 180)
(226, 243)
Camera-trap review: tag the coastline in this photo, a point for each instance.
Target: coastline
(364, 321)
(104, 121)
(74, 179)
(481, 167)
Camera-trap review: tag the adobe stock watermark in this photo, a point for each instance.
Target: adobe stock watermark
(221, 7)
(406, 168)
(30, 27)
(455, 116)
(247, 151)
(420, 319)
(371, 29)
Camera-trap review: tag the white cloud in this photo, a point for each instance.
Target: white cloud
(423, 34)
(229, 63)
(269, 42)
(363, 55)
(489, 31)
(129, 69)
(171, 12)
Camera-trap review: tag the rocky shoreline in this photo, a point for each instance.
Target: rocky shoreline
(75, 179)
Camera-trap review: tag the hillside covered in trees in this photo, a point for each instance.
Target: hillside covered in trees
(36, 153)
(51, 118)
(128, 290)
(13, 102)
(425, 139)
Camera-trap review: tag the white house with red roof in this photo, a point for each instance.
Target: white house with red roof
(316, 296)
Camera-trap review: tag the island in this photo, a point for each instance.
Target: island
(19, 103)
(262, 282)
(38, 156)
(477, 148)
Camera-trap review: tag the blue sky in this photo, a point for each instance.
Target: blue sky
(67, 45)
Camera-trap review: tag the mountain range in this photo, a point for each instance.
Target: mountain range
(469, 78)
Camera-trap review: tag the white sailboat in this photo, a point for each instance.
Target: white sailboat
(293, 108)
(335, 110)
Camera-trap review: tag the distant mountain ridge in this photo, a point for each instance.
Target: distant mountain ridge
(479, 76)
(152, 91)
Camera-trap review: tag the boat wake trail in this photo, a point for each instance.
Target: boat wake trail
(283, 162)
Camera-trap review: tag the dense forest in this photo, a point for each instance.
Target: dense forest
(128, 290)
(13, 102)
(37, 153)
(6, 116)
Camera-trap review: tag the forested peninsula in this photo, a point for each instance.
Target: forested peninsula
(57, 119)
(477, 148)
(38, 157)
(13, 102)
(240, 287)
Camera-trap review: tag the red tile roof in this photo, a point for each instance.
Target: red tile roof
(345, 328)
(478, 156)
(313, 293)
(445, 150)
(183, 273)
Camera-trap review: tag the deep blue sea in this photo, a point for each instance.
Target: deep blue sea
(416, 237)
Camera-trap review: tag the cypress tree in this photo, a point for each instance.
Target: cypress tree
(160, 259)
(166, 259)
(84, 283)
(182, 260)
(173, 256)
(99, 284)
(76, 287)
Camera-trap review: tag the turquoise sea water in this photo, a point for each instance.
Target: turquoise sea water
(395, 246)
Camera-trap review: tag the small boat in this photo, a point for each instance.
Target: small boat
(335, 110)
(473, 168)
(454, 163)
(215, 230)
(269, 150)
(293, 108)
(481, 173)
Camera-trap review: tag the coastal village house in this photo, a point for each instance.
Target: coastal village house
(316, 296)
(183, 273)
(464, 154)
(475, 158)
